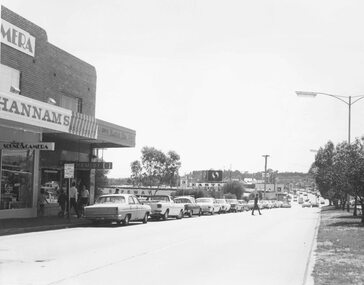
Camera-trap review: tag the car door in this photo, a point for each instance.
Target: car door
(139, 209)
(133, 208)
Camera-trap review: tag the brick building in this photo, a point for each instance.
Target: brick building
(47, 118)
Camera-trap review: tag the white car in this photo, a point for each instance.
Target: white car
(208, 205)
(224, 206)
(306, 204)
(120, 208)
(164, 207)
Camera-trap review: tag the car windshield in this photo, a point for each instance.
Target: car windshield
(158, 198)
(204, 200)
(110, 200)
(182, 200)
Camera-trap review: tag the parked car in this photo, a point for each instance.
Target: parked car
(306, 204)
(315, 204)
(234, 205)
(208, 205)
(251, 204)
(263, 204)
(286, 204)
(244, 205)
(163, 207)
(224, 206)
(190, 206)
(120, 208)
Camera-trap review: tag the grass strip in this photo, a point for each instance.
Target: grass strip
(340, 249)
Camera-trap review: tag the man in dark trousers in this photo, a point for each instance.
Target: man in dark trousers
(256, 206)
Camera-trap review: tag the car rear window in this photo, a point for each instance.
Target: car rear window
(110, 199)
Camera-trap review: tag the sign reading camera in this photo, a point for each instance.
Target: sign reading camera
(17, 38)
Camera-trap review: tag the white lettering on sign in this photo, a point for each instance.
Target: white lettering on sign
(17, 38)
(33, 112)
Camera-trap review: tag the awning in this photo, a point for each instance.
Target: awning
(111, 136)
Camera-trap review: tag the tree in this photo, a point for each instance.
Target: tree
(153, 161)
(136, 172)
(234, 187)
(156, 168)
(322, 169)
(172, 165)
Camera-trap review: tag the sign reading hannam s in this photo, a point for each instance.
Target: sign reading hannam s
(17, 38)
(25, 110)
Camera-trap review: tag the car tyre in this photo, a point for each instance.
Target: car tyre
(165, 216)
(126, 220)
(190, 214)
(200, 213)
(180, 215)
(145, 219)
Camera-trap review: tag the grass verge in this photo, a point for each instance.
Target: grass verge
(340, 249)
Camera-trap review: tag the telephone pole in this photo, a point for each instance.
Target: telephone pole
(265, 172)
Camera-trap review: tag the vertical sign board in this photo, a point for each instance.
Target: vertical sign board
(69, 172)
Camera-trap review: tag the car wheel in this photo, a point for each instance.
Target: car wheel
(180, 215)
(200, 213)
(190, 214)
(212, 212)
(145, 219)
(126, 220)
(165, 216)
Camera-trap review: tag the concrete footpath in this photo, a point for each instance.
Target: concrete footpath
(26, 225)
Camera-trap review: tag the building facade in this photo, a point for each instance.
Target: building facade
(47, 119)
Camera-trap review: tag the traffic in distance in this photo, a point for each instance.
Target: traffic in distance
(125, 208)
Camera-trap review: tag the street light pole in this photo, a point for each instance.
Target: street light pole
(265, 172)
(345, 99)
(342, 99)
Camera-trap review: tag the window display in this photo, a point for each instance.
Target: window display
(16, 179)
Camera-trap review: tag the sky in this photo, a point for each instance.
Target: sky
(215, 81)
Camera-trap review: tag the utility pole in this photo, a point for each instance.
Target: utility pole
(265, 173)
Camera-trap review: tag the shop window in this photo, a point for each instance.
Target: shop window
(16, 179)
(9, 79)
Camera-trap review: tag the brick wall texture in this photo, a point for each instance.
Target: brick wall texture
(52, 72)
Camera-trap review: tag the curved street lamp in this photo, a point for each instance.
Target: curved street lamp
(345, 99)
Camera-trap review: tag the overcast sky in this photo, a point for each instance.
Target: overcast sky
(215, 80)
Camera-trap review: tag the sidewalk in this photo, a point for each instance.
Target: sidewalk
(26, 225)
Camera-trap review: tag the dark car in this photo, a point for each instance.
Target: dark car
(191, 207)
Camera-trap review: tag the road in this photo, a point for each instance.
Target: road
(273, 248)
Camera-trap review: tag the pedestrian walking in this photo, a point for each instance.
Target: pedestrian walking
(42, 200)
(62, 199)
(73, 198)
(256, 206)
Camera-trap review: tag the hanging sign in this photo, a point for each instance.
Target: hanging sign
(27, 145)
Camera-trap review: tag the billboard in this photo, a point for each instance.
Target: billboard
(214, 175)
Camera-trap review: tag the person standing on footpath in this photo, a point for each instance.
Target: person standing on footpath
(42, 200)
(62, 199)
(256, 206)
(85, 195)
(73, 198)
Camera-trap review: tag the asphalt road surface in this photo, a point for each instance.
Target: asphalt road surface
(222, 249)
